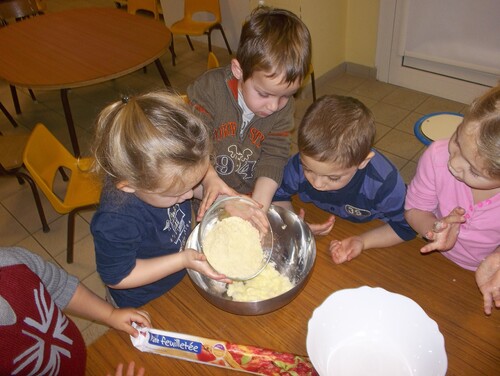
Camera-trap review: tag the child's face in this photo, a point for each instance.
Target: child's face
(165, 198)
(262, 94)
(465, 164)
(327, 176)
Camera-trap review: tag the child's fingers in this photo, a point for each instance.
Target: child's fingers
(487, 304)
(427, 248)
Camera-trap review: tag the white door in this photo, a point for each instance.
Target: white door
(448, 48)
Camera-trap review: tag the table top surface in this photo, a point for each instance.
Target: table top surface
(446, 292)
(79, 47)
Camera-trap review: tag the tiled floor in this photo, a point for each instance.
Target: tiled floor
(396, 109)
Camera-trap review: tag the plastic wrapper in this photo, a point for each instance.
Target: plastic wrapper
(250, 359)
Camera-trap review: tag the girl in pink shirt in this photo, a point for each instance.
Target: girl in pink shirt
(454, 198)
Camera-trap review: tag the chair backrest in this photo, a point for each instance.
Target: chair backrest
(195, 6)
(43, 156)
(212, 61)
(17, 9)
(148, 5)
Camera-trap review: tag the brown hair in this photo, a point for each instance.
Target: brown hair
(483, 118)
(139, 139)
(274, 41)
(337, 129)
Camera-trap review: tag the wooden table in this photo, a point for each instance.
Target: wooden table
(445, 291)
(79, 47)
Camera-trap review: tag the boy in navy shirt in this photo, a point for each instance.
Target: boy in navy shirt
(337, 170)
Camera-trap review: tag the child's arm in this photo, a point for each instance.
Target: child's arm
(442, 233)
(151, 270)
(263, 191)
(86, 304)
(488, 280)
(347, 249)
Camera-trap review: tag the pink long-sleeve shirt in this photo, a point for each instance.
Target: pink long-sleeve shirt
(435, 189)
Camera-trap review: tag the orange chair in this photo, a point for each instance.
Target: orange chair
(188, 26)
(43, 157)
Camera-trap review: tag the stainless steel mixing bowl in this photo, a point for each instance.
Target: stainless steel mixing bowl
(294, 253)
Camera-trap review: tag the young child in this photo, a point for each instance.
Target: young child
(249, 104)
(453, 200)
(153, 151)
(338, 171)
(37, 338)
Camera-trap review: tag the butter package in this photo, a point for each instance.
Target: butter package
(250, 359)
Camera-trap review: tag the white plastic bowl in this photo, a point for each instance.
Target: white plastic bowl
(370, 331)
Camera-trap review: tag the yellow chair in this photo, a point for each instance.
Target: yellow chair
(188, 26)
(43, 157)
(212, 61)
(152, 6)
(11, 163)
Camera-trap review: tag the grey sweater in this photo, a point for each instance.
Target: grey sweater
(241, 156)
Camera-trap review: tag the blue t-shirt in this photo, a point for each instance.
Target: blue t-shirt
(375, 192)
(126, 229)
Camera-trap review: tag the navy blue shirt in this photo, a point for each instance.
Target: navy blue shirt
(126, 229)
(375, 192)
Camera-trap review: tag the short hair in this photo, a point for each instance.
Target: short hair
(337, 129)
(483, 117)
(275, 41)
(142, 138)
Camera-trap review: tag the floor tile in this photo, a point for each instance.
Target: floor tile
(405, 98)
(399, 143)
(388, 114)
(11, 231)
(436, 104)
(374, 89)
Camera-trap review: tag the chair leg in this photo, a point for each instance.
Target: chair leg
(63, 174)
(36, 196)
(209, 36)
(15, 99)
(32, 95)
(71, 236)
(8, 115)
(225, 39)
(313, 85)
(190, 43)
(172, 50)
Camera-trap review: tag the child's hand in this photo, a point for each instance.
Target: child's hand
(198, 262)
(130, 370)
(319, 228)
(254, 215)
(488, 281)
(445, 232)
(213, 186)
(346, 249)
(122, 319)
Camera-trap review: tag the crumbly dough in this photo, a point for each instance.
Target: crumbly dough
(233, 248)
(266, 285)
